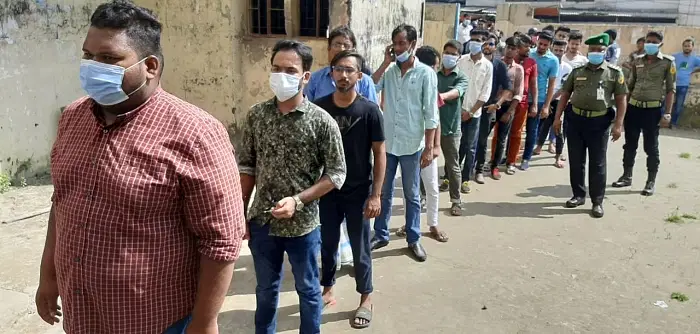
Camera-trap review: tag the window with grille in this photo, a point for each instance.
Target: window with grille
(267, 17)
(315, 16)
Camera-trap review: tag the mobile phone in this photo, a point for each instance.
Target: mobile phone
(393, 54)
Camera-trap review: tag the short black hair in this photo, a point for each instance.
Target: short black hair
(494, 36)
(641, 39)
(140, 25)
(575, 36)
(479, 32)
(455, 44)
(564, 29)
(532, 31)
(545, 36)
(427, 55)
(657, 34)
(342, 31)
(523, 40)
(690, 40)
(559, 42)
(517, 33)
(612, 33)
(511, 41)
(549, 27)
(411, 33)
(346, 54)
(303, 50)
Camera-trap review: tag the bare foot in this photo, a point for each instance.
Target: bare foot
(328, 299)
(537, 150)
(438, 235)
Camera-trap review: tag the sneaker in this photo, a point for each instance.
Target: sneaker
(465, 188)
(479, 178)
(510, 170)
(445, 185)
(495, 174)
(525, 165)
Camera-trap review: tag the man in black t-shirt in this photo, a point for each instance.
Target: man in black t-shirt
(361, 125)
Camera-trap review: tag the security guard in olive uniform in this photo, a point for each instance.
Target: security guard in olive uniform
(593, 90)
(653, 81)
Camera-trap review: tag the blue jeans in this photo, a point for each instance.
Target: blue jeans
(410, 178)
(531, 133)
(268, 258)
(681, 93)
(467, 146)
(179, 327)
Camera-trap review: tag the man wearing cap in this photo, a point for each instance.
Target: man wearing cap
(652, 82)
(591, 88)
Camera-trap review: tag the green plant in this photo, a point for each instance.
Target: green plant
(4, 182)
(685, 155)
(673, 185)
(689, 216)
(679, 297)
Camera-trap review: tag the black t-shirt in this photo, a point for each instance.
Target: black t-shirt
(361, 124)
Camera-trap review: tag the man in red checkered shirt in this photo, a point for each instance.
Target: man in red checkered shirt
(147, 217)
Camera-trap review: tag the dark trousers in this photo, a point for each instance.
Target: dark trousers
(644, 121)
(268, 258)
(546, 125)
(180, 326)
(590, 135)
(488, 121)
(334, 207)
(467, 146)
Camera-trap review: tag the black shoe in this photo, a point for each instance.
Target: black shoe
(418, 251)
(649, 188)
(377, 244)
(597, 211)
(623, 181)
(575, 202)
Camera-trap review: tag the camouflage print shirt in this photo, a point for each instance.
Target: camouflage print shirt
(288, 154)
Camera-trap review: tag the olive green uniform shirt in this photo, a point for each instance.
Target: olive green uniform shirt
(288, 154)
(584, 81)
(451, 112)
(652, 78)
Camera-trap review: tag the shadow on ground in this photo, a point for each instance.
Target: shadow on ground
(243, 321)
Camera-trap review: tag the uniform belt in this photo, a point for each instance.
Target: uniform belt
(645, 104)
(588, 113)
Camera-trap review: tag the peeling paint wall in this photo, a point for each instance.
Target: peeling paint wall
(374, 20)
(40, 51)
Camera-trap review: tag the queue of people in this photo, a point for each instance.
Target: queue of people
(150, 206)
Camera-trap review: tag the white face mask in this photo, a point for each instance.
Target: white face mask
(285, 86)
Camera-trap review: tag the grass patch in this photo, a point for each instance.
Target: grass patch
(679, 297)
(5, 183)
(677, 218)
(685, 155)
(689, 216)
(673, 185)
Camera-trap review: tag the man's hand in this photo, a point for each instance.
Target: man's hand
(616, 132)
(466, 116)
(532, 113)
(373, 207)
(545, 112)
(388, 58)
(195, 328)
(436, 151)
(492, 108)
(665, 121)
(285, 208)
(557, 126)
(47, 301)
(426, 158)
(246, 236)
(505, 118)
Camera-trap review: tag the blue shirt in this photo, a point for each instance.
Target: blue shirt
(321, 84)
(410, 107)
(684, 68)
(547, 67)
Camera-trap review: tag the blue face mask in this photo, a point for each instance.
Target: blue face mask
(651, 48)
(103, 82)
(475, 47)
(596, 58)
(449, 61)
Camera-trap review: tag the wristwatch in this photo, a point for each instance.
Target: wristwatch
(300, 204)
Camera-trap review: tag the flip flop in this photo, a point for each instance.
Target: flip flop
(401, 232)
(362, 313)
(440, 236)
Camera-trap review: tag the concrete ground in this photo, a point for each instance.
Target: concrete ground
(516, 262)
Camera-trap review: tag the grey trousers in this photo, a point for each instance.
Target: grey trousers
(450, 149)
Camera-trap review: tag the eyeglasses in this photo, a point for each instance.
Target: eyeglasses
(341, 46)
(342, 69)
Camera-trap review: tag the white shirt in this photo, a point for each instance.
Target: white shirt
(480, 76)
(564, 71)
(464, 32)
(576, 62)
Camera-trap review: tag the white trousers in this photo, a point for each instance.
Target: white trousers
(429, 176)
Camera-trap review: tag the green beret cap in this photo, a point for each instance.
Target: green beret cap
(602, 39)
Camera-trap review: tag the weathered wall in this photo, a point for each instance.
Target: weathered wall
(440, 23)
(40, 54)
(374, 20)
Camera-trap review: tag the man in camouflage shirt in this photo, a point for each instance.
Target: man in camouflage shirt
(292, 153)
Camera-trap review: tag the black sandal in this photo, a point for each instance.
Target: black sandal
(364, 314)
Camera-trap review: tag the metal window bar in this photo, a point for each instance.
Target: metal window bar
(267, 17)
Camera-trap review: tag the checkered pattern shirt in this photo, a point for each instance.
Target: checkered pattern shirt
(136, 203)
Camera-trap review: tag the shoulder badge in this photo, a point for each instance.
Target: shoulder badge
(673, 68)
(621, 79)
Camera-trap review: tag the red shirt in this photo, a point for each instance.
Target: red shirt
(136, 203)
(529, 71)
